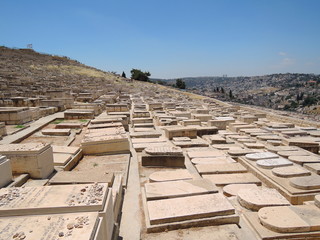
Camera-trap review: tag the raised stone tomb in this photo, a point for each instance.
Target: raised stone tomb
(33, 158)
(5, 171)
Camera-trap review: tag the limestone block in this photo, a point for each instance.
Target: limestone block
(173, 175)
(291, 171)
(233, 189)
(225, 179)
(171, 132)
(260, 156)
(213, 160)
(220, 168)
(56, 132)
(306, 183)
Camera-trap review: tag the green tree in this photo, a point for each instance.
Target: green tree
(222, 90)
(180, 84)
(230, 94)
(137, 74)
(123, 75)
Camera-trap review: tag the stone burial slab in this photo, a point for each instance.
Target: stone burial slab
(149, 134)
(176, 131)
(33, 158)
(163, 157)
(188, 208)
(273, 162)
(261, 155)
(52, 199)
(233, 189)
(291, 219)
(260, 197)
(276, 149)
(293, 153)
(225, 179)
(290, 171)
(56, 132)
(180, 188)
(84, 226)
(69, 125)
(191, 143)
(65, 149)
(313, 167)
(83, 177)
(213, 160)
(206, 154)
(240, 152)
(5, 171)
(173, 175)
(220, 168)
(60, 159)
(302, 160)
(306, 183)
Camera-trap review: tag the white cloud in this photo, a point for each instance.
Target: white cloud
(282, 53)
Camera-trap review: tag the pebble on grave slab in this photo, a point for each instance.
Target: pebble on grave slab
(260, 156)
(290, 171)
(273, 162)
(290, 219)
(233, 189)
(306, 183)
(262, 197)
(162, 176)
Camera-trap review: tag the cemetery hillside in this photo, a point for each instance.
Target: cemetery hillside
(87, 154)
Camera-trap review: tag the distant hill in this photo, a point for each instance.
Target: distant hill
(289, 91)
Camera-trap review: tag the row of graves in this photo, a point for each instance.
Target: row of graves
(232, 172)
(206, 170)
(67, 179)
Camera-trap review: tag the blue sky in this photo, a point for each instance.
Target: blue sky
(171, 38)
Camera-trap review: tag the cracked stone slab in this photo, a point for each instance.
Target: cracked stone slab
(187, 208)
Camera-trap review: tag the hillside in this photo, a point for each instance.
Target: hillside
(290, 91)
(24, 72)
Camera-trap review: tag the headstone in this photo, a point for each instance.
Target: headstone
(260, 156)
(290, 171)
(273, 162)
(5, 171)
(306, 183)
(291, 219)
(233, 189)
(264, 197)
